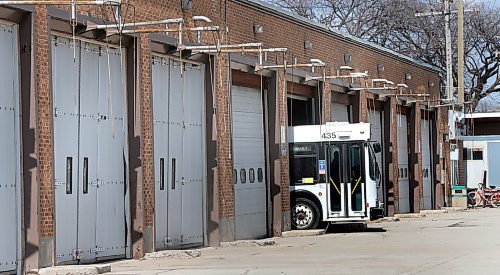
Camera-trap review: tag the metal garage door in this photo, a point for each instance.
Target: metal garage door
(426, 164)
(376, 126)
(9, 149)
(249, 163)
(90, 151)
(340, 112)
(493, 159)
(403, 172)
(179, 152)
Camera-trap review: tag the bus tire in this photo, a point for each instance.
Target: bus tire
(305, 214)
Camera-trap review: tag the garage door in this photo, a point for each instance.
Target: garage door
(403, 168)
(179, 152)
(9, 149)
(376, 127)
(340, 112)
(426, 164)
(249, 163)
(89, 150)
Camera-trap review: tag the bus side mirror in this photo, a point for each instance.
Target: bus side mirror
(377, 148)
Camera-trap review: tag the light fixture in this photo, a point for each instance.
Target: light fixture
(408, 76)
(431, 84)
(258, 28)
(380, 67)
(308, 45)
(346, 68)
(186, 4)
(347, 58)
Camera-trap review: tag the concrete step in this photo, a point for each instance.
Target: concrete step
(173, 254)
(409, 216)
(75, 270)
(437, 211)
(303, 233)
(249, 243)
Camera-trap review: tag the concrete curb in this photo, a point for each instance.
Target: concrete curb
(430, 212)
(173, 254)
(385, 219)
(303, 233)
(454, 209)
(410, 216)
(249, 243)
(75, 270)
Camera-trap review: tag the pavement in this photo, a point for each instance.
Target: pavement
(446, 242)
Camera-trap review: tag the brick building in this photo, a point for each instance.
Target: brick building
(123, 147)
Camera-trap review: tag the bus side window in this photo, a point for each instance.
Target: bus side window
(303, 163)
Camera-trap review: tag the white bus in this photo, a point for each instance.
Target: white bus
(334, 175)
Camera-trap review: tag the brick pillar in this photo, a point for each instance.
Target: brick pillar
(147, 142)
(394, 160)
(327, 102)
(44, 136)
(224, 150)
(416, 181)
(283, 159)
(134, 117)
(363, 106)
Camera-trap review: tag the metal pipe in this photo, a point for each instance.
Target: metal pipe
(218, 47)
(156, 30)
(202, 18)
(273, 50)
(92, 25)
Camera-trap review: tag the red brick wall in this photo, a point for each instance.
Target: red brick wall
(147, 129)
(44, 122)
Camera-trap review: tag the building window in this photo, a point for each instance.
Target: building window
(260, 175)
(477, 154)
(251, 175)
(243, 176)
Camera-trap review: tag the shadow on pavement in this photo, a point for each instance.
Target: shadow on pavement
(353, 228)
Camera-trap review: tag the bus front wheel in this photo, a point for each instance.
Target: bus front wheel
(305, 214)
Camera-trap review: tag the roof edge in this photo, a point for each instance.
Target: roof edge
(312, 24)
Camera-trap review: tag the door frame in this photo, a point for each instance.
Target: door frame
(124, 73)
(203, 137)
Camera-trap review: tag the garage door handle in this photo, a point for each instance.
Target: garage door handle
(162, 174)
(85, 175)
(69, 175)
(173, 173)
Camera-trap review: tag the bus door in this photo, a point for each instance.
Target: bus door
(346, 192)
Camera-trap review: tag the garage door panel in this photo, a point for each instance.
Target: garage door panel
(9, 156)
(249, 158)
(426, 164)
(403, 167)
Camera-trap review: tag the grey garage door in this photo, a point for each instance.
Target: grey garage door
(403, 167)
(426, 164)
(339, 112)
(9, 149)
(179, 152)
(377, 134)
(249, 163)
(90, 151)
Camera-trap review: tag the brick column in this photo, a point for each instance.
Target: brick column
(394, 171)
(224, 150)
(44, 145)
(283, 159)
(327, 102)
(363, 106)
(416, 181)
(147, 142)
(134, 117)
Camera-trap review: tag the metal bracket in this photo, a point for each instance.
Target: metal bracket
(76, 253)
(97, 249)
(57, 113)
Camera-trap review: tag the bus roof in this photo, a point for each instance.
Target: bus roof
(332, 131)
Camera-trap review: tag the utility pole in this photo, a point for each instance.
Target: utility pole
(449, 66)
(460, 51)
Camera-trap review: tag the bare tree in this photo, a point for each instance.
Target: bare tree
(392, 24)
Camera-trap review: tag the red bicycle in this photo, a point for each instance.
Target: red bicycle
(485, 196)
